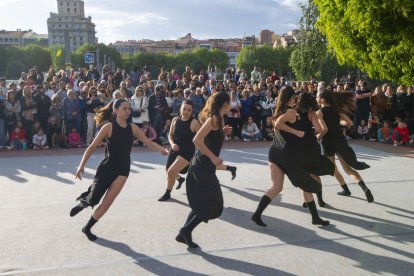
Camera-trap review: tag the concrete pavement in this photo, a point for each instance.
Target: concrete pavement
(136, 236)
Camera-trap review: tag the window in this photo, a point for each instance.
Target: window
(68, 9)
(1, 39)
(76, 9)
(16, 40)
(6, 40)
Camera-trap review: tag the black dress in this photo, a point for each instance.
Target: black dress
(183, 136)
(290, 160)
(117, 161)
(311, 150)
(203, 187)
(334, 141)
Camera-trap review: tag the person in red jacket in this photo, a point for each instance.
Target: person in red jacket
(400, 135)
(75, 139)
(18, 137)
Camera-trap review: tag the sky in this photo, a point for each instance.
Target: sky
(162, 19)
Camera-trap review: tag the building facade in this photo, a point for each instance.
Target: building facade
(265, 37)
(69, 27)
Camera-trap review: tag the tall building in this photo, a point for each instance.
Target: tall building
(69, 27)
(12, 38)
(265, 37)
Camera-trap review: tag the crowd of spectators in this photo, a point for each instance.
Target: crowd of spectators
(57, 109)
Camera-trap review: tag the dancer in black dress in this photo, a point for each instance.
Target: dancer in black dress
(113, 171)
(288, 159)
(182, 132)
(309, 122)
(203, 187)
(335, 105)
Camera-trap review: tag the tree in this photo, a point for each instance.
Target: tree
(57, 57)
(36, 55)
(375, 36)
(265, 57)
(310, 53)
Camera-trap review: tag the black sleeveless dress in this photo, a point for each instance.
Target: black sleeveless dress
(291, 161)
(203, 187)
(334, 142)
(117, 161)
(311, 150)
(183, 136)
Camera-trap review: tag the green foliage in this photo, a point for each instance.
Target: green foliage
(36, 55)
(309, 55)
(265, 57)
(375, 36)
(197, 59)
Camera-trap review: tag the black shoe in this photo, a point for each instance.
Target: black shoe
(75, 210)
(304, 205)
(258, 220)
(370, 197)
(320, 221)
(89, 234)
(165, 197)
(180, 182)
(344, 193)
(186, 238)
(233, 172)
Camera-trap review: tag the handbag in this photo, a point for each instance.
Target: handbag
(136, 113)
(278, 141)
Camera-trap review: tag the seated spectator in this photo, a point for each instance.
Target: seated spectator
(385, 133)
(250, 131)
(18, 138)
(149, 131)
(39, 140)
(55, 137)
(400, 134)
(75, 139)
(373, 127)
(165, 132)
(362, 130)
(267, 131)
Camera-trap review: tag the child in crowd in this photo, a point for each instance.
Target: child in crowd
(362, 130)
(75, 139)
(250, 131)
(267, 131)
(373, 127)
(149, 131)
(165, 132)
(55, 136)
(400, 135)
(384, 133)
(40, 140)
(18, 138)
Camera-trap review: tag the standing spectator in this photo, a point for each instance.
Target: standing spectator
(246, 102)
(54, 131)
(93, 103)
(40, 140)
(118, 77)
(62, 92)
(378, 103)
(212, 71)
(43, 103)
(52, 90)
(187, 74)
(410, 109)
(390, 107)
(156, 107)
(139, 106)
(268, 104)
(72, 111)
(12, 112)
(93, 74)
(401, 102)
(197, 101)
(255, 76)
(362, 105)
(3, 88)
(29, 113)
(256, 106)
(56, 109)
(177, 101)
(135, 76)
(233, 116)
(2, 124)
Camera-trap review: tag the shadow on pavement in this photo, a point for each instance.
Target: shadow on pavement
(146, 262)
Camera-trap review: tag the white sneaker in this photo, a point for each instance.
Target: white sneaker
(246, 140)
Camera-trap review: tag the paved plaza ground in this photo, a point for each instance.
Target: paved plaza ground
(136, 236)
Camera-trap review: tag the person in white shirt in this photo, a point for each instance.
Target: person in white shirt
(39, 140)
(250, 131)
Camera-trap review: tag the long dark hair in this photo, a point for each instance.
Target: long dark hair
(341, 102)
(306, 102)
(285, 94)
(212, 107)
(106, 113)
